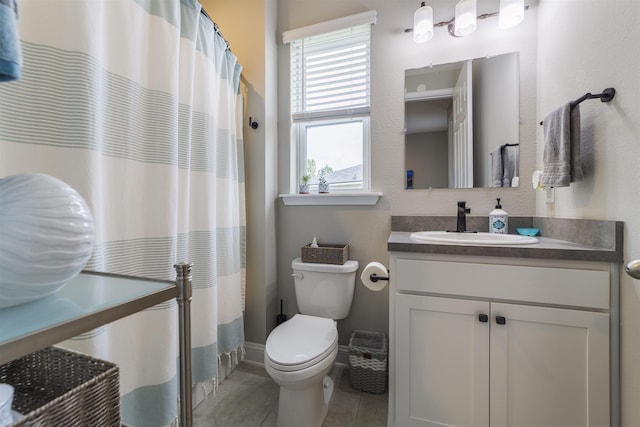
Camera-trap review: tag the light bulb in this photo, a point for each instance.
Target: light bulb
(423, 24)
(511, 13)
(466, 19)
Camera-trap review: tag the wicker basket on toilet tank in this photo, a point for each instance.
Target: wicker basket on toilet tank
(325, 253)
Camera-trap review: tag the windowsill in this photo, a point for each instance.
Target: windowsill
(331, 199)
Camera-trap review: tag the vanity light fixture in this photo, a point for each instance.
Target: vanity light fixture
(465, 21)
(423, 24)
(511, 13)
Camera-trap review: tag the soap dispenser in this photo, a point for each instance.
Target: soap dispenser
(498, 220)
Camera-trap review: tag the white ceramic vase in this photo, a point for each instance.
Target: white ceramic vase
(46, 236)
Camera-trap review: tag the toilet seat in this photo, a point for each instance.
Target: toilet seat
(301, 342)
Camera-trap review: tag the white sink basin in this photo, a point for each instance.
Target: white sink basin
(480, 238)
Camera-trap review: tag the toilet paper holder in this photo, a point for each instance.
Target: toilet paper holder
(374, 277)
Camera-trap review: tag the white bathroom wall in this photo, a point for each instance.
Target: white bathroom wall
(586, 46)
(366, 229)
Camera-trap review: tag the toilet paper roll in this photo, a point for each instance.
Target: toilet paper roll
(377, 269)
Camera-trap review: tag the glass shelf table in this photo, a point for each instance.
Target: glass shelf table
(91, 300)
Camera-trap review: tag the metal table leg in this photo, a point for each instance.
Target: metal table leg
(183, 282)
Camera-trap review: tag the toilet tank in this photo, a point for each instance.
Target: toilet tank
(324, 290)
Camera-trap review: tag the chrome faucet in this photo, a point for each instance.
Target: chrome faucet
(461, 226)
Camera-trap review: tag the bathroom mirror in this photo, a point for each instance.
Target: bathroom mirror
(461, 122)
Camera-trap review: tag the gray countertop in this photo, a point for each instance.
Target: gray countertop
(579, 240)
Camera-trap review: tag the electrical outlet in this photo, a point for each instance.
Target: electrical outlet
(550, 195)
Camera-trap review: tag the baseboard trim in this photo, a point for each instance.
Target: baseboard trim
(254, 354)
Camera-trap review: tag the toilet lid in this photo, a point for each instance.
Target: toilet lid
(301, 340)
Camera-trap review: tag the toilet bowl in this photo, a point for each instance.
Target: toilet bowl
(298, 356)
(300, 352)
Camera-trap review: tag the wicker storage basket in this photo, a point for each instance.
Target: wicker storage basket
(368, 361)
(325, 254)
(56, 387)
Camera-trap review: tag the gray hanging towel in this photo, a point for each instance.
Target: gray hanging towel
(504, 165)
(509, 164)
(562, 162)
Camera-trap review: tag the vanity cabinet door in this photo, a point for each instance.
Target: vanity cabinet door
(549, 367)
(442, 362)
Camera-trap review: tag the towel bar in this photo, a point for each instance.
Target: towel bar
(606, 96)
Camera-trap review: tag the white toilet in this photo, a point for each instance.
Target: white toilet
(300, 352)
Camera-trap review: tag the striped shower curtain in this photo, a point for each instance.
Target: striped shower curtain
(135, 104)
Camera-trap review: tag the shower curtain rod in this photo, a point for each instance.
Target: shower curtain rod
(215, 27)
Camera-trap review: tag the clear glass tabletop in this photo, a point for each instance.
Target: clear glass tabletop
(89, 300)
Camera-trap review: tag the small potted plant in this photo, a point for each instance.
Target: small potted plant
(304, 187)
(323, 185)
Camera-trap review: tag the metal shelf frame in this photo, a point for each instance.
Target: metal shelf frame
(40, 333)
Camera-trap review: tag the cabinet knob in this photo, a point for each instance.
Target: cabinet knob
(483, 318)
(500, 320)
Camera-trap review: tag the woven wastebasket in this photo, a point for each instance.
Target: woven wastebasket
(368, 361)
(57, 387)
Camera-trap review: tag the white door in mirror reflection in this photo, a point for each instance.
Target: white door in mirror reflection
(461, 160)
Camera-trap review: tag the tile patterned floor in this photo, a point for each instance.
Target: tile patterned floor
(249, 398)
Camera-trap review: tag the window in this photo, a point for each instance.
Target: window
(335, 148)
(330, 100)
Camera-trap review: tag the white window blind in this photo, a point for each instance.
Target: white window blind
(330, 74)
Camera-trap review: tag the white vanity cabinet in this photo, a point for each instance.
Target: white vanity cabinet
(495, 342)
